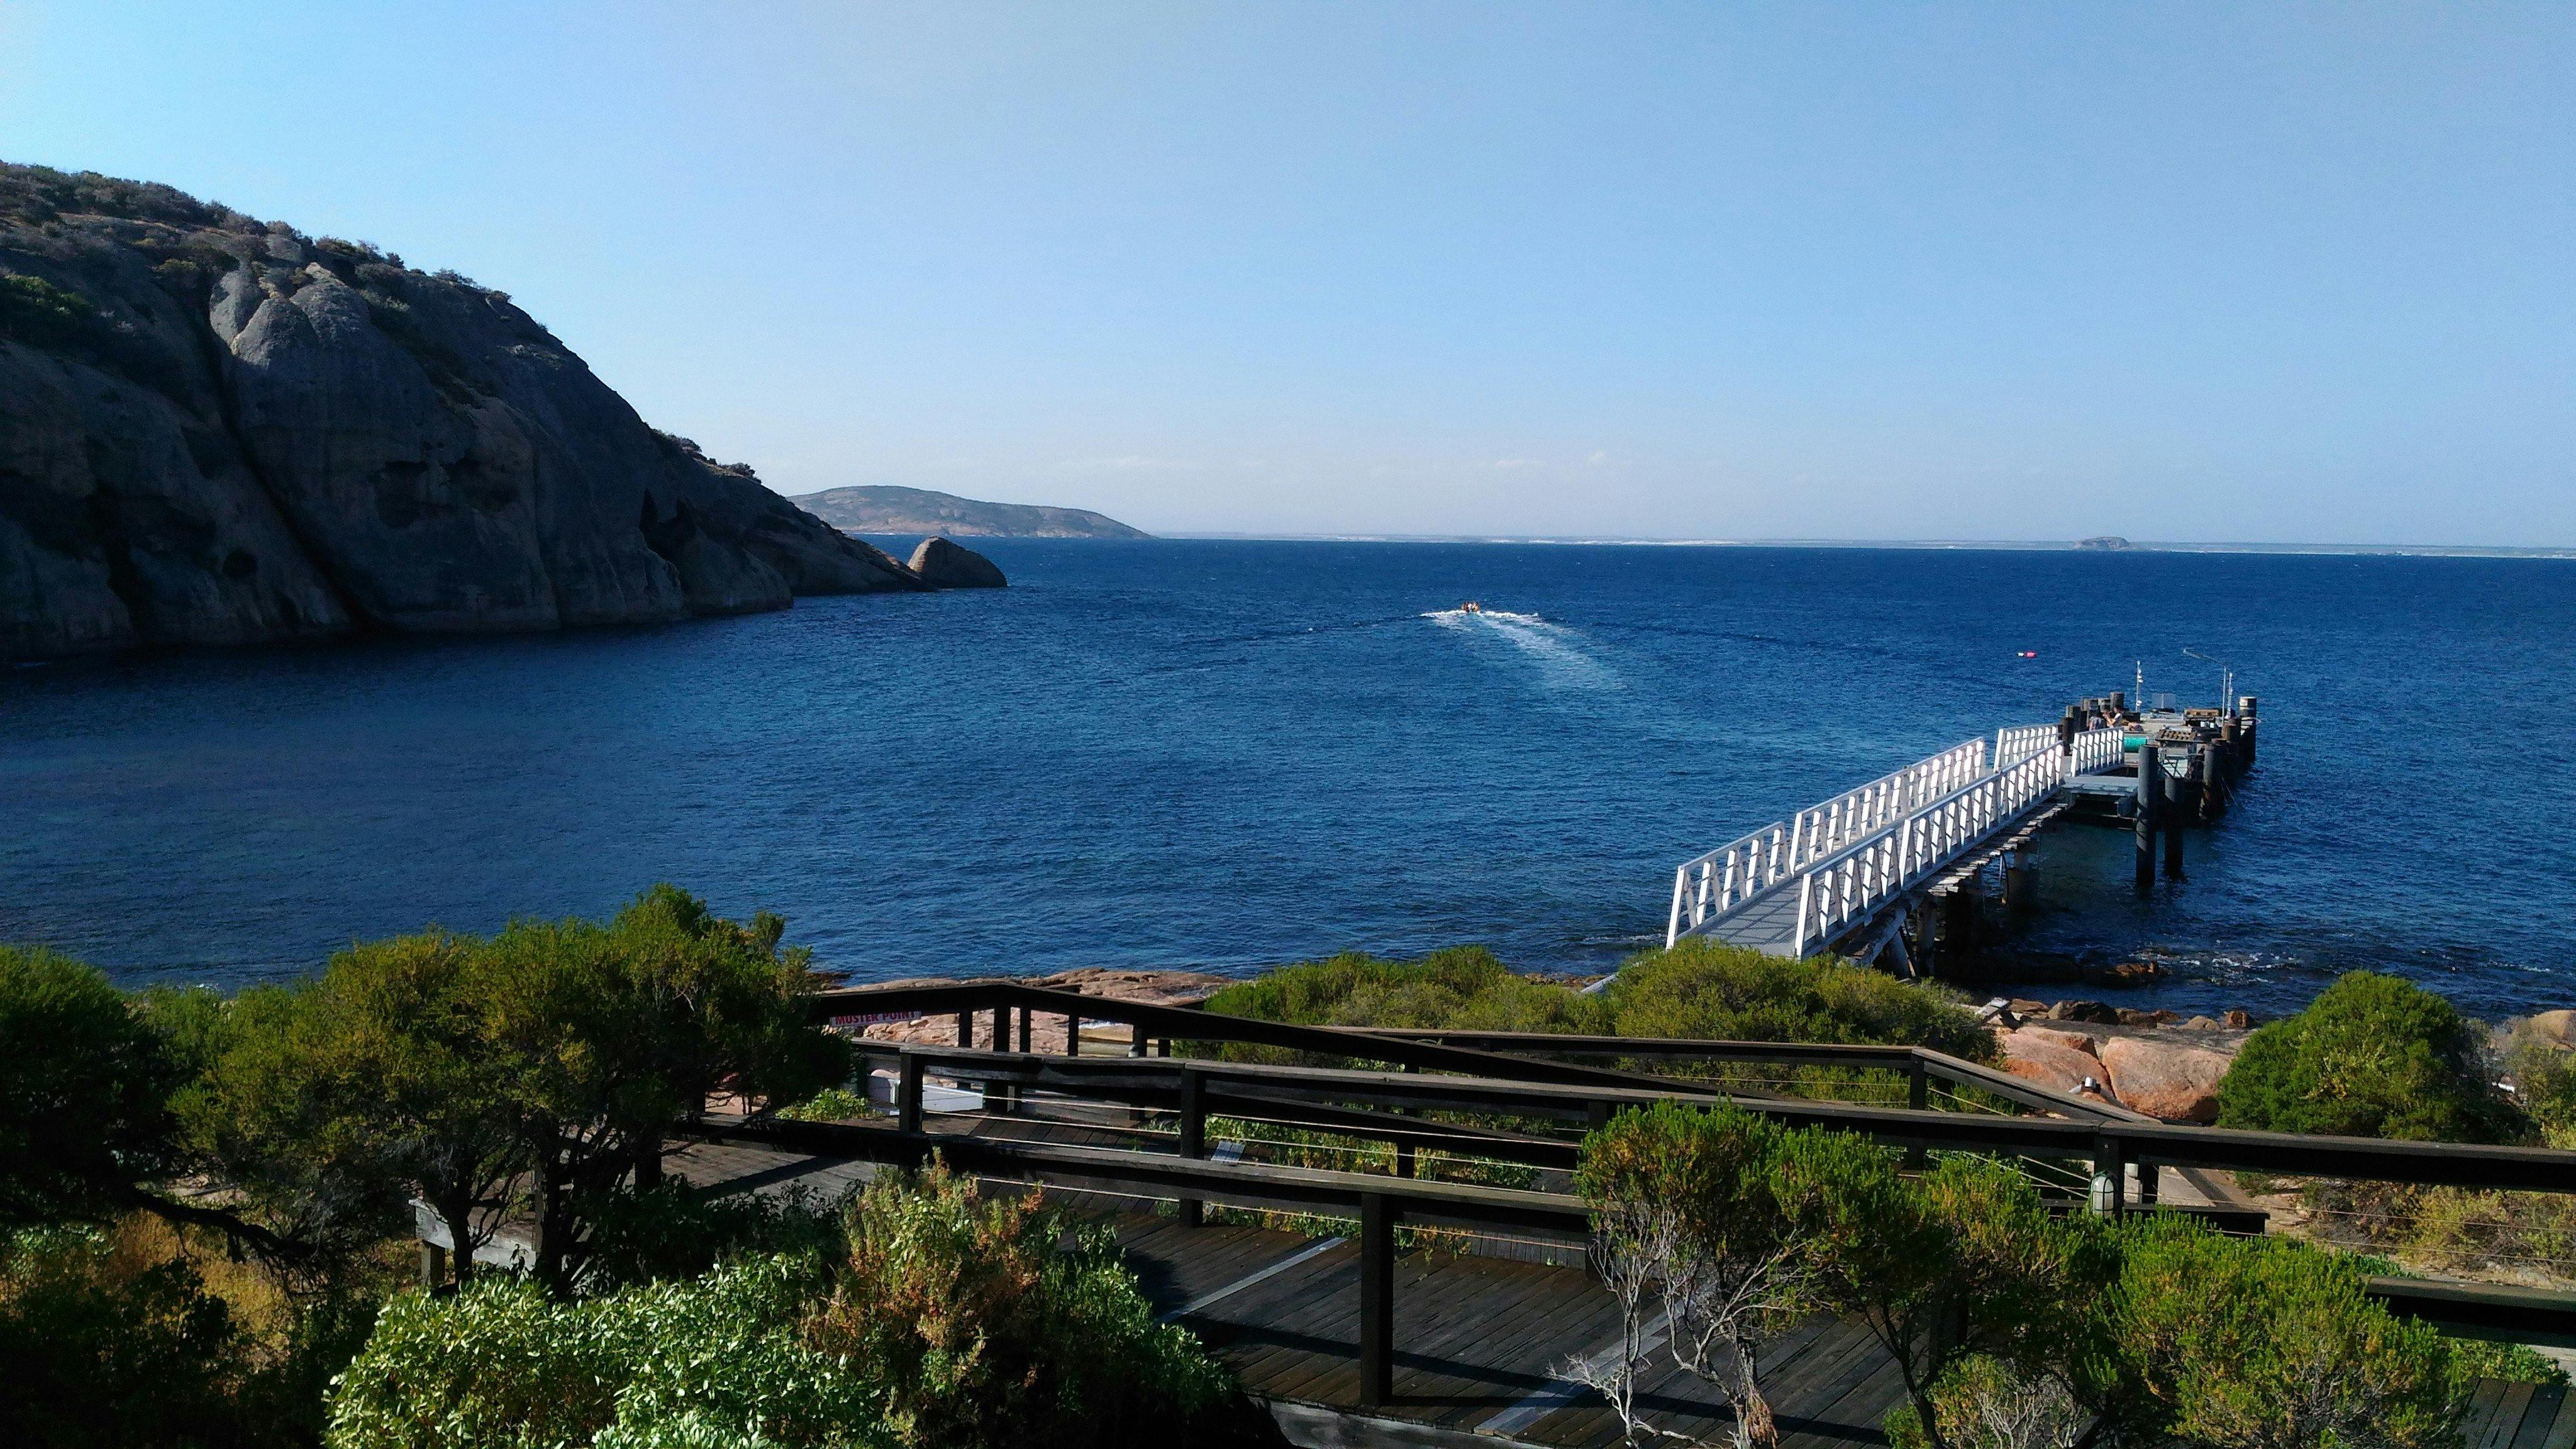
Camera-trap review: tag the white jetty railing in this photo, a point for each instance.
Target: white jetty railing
(1732, 874)
(1854, 853)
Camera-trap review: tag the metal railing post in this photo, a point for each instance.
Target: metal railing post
(1193, 1136)
(1918, 1097)
(1377, 1301)
(907, 1094)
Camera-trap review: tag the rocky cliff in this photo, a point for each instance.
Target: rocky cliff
(215, 430)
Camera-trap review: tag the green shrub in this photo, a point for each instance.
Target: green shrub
(101, 1345)
(1708, 990)
(677, 1231)
(832, 1104)
(1986, 1403)
(982, 1332)
(501, 1363)
(36, 312)
(1686, 1211)
(2372, 1056)
(1963, 1261)
(1463, 988)
(2264, 1343)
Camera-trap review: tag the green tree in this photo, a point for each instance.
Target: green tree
(329, 1105)
(1686, 1215)
(1962, 1261)
(2372, 1056)
(611, 1035)
(84, 1093)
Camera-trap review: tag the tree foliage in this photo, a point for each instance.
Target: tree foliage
(1687, 1215)
(2372, 1056)
(948, 1322)
(2264, 1343)
(1710, 990)
(84, 1091)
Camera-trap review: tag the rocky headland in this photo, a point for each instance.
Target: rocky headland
(885, 509)
(216, 430)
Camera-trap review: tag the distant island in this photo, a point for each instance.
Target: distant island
(2109, 542)
(918, 510)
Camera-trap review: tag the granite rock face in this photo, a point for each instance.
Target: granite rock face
(945, 564)
(214, 430)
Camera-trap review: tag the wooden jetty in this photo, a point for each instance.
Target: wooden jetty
(1861, 873)
(1397, 1305)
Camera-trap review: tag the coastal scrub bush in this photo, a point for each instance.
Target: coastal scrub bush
(945, 1323)
(2372, 1056)
(502, 1363)
(1985, 1403)
(1710, 990)
(1461, 988)
(984, 1331)
(2264, 1343)
(106, 1345)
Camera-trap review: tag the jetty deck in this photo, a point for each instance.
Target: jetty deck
(1852, 874)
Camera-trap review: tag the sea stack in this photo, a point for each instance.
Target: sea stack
(944, 563)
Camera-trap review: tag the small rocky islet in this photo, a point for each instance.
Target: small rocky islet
(216, 430)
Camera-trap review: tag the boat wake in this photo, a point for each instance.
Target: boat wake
(1559, 652)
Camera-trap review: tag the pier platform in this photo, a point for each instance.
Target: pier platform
(1854, 875)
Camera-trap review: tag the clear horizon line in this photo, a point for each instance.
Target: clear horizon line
(2452, 550)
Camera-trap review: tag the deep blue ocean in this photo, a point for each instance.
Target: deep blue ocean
(1229, 754)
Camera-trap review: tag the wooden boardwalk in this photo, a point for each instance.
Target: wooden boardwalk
(1477, 1338)
(2520, 1416)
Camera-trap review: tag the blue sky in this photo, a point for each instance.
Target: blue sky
(2263, 272)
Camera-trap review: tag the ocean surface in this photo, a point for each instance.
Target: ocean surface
(1228, 755)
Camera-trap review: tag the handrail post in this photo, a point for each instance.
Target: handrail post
(1377, 1301)
(1806, 893)
(907, 1095)
(1918, 1098)
(1073, 1033)
(1136, 1039)
(1193, 1136)
(2109, 1170)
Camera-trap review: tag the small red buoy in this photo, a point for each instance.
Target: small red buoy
(2030, 654)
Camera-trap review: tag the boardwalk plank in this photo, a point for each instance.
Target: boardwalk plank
(2539, 1417)
(2504, 1420)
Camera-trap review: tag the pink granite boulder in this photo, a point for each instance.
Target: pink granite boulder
(2166, 1079)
